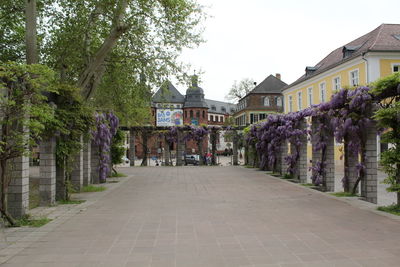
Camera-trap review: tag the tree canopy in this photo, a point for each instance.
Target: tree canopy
(240, 89)
(113, 50)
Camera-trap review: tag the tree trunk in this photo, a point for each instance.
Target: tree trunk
(201, 156)
(4, 192)
(398, 182)
(30, 32)
(213, 147)
(166, 153)
(91, 76)
(144, 146)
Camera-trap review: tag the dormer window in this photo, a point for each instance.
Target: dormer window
(310, 70)
(223, 109)
(213, 108)
(348, 50)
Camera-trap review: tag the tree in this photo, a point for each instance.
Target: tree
(240, 89)
(388, 117)
(117, 149)
(20, 84)
(129, 44)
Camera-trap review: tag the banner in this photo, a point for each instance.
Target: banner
(169, 117)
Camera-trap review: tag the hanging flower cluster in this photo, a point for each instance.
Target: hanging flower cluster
(345, 116)
(106, 127)
(196, 133)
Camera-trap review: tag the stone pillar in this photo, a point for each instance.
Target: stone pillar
(60, 183)
(95, 164)
(179, 148)
(301, 165)
(283, 153)
(77, 170)
(350, 169)
(47, 172)
(370, 183)
(235, 141)
(132, 147)
(330, 163)
(18, 190)
(167, 159)
(86, 163)
(316, 154)
(329, 155)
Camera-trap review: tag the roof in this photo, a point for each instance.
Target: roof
(219, 105)
(195, 95)
(271, 84)
(168, 95)
(384, 38)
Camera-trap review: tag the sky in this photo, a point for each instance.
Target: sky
(256, 38)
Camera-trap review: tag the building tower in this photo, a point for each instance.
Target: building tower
(195, 108)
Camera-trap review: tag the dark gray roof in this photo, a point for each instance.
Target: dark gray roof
(168, 94)
(380, 39)
(271, 84)
(195, 95)
(219, 105)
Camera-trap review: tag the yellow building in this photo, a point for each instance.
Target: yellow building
(360, 62)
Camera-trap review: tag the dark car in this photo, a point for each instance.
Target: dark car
(192, 159)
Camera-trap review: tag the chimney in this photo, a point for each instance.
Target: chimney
(278, 76)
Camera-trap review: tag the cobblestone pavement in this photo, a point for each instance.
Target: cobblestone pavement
(213, 216)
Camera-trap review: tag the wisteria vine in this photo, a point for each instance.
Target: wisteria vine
(106, 127)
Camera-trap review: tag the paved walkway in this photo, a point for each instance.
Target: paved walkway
(213, 216)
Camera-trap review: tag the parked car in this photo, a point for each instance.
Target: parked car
(125, 160)
(192, 159)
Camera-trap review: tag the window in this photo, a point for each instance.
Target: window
(279, 101)
(396, 68)
(204, 114)
(185, 113)
(354, 79)
(299, 100)
(263, 116)
(322, 92)
(310, 96)
(213, 108)
(255, 117)
(221, 119)
(191, 114)
(336, 83)
(211, 118)
(266, 101)
(223, 109)
(290, 100)
(197, 114)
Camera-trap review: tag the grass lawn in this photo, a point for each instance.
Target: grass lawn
(28, 221)
(393, 209)
(93, 188)
(118, 174)
(343, 194)
(69, 202)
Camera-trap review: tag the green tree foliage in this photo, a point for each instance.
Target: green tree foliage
(117, 148)
(388, 118)
(113, 50)
(22, 107)
(240, 89)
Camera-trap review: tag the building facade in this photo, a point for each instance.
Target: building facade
(359, 62)
(171, 108)
(265, 98)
